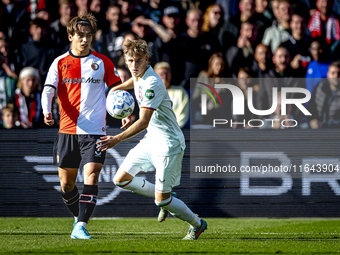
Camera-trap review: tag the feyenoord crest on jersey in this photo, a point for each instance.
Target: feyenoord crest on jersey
(95, 66)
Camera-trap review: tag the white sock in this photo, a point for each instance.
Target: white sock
(82, 224)
(180, 210)
(139, 186)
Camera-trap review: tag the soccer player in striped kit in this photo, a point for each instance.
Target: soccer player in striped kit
(80, 77)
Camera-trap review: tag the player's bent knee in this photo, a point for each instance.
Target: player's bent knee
(121, 176)
(67, 187)
(160, 196)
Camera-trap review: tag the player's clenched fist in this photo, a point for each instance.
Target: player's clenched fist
(48, 119)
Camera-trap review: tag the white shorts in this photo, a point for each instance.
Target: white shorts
(168, 168)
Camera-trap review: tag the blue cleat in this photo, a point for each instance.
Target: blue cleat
(79, 232)
(194, 233)
(163, 214)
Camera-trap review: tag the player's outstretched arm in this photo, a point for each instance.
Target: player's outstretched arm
(124, 86)
(108, 142)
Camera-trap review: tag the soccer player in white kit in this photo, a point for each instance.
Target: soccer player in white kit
(163, 145)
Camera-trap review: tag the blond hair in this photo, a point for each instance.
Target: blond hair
(85, 19)
(10, 108)
(137, 47)
(160, 65)
(206, 19)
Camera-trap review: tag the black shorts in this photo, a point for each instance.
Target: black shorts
(70, 150)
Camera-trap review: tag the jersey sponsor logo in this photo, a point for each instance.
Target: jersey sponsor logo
(149, 94)
(66, 67)
(95, 66)
(81, 80)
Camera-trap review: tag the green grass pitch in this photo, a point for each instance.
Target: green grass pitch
(147, 236)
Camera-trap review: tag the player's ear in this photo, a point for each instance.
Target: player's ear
(146, 58)
(70, 37)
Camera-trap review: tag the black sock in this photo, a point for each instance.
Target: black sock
(71, 199)
(87, 202)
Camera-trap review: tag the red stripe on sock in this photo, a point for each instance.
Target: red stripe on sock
(125, 184)
(168, 203)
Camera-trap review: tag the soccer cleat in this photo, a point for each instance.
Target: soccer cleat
(163, 214)
(194, 233)
(79, 232)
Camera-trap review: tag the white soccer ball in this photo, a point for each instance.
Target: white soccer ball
(120, 104)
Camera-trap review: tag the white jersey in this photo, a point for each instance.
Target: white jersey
(164, 137)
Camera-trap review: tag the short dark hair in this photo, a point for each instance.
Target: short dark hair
(39, 23)
(85, 19)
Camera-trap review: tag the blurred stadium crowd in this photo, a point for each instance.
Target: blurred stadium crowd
(213, 40)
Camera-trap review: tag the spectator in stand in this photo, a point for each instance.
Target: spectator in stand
(279, 33)
(82, 6)
(262, 7)
(213, 23)
(45, 15)
(15, 21)
(39, 51)
(298, 43)
(10, 116)
(215, 74)
(195, 47)
(217, 70)
(323, 23)
(275, 9)
(262, 63)
(111, 37)
(129, 7)
(243, 53)
(160, 31)
(143, 27)
(178, 95)
(280, 76)
(318, 68)
(325, 102)
(58, 27)
(6, 62)
(153, 10)
(213, 19)
(168, 50)
(28, 98)
(97, 9)
(44, 7)
(244, 81)
(247, 13)
(8, 78)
